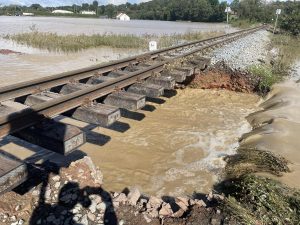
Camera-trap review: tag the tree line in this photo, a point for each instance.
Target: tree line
(185, 10)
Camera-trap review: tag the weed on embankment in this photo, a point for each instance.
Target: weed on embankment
(255, 200)
(287, 50)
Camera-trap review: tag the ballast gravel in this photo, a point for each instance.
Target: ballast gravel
(242, 53)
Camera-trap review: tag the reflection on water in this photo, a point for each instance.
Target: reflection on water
(177, 148)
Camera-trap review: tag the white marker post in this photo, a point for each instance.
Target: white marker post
(228, 10)
(152, 46)
(278, 12)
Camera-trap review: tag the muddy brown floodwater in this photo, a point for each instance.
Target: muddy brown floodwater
(177, 148)
(278, 126)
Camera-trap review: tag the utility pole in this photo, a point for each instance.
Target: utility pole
(227, 10)
(278, 12)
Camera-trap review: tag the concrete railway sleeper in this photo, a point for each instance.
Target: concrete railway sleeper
(96, 95)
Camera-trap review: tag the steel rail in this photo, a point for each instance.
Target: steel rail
(29, 87)
(28, 117)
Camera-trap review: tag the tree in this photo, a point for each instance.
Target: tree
(36, 6)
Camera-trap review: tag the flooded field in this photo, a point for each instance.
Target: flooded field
(61, 25)
(176, 149)
(31, 63)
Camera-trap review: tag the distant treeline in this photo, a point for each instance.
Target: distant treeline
(187, 10)
(260, 11)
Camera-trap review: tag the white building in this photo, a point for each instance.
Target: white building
(59, 11)
(27, 14)
(123, 17)
(88, 12)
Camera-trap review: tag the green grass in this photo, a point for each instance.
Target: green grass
(288, 52)
(242, 23)
(266, 75)
(73, 43)
(288, 48)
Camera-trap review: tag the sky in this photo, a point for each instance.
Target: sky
(66, 2)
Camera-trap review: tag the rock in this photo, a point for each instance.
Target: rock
(153, 213)
(15, 223)
(165, 210)
(133, 196)
(56, 178)
(13, 218)
(121, 222)
(191, 202)
(200, 203)
(154, 202)
(183, 203)
(148, 220)
(91, 216)
(96, 173)
(48, 194)
(93, 206)
(18, 207)
(57, 185)
(101, 207)
(121, 198)
(84, 220)
(21, 222)
(97, 199)
(179, 213)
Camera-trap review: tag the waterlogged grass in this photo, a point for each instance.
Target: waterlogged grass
(73, 43)
(254, 200)
(69, 43)
(249, 160)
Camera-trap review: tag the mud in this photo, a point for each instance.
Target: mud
(223, 77)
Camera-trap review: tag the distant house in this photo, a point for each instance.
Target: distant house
(123, 17)
(88, 12)
(27, 14)
(59, 11)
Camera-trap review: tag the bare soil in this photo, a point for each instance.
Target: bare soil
(223, 77)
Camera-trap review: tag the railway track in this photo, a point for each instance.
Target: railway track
(98, 95)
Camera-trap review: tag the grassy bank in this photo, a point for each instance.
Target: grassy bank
(286, 50)
(73, 43)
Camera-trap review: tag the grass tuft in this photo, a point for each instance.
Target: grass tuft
(266, 75)
(249, 160)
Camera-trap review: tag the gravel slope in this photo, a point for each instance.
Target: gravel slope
(244, 52)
